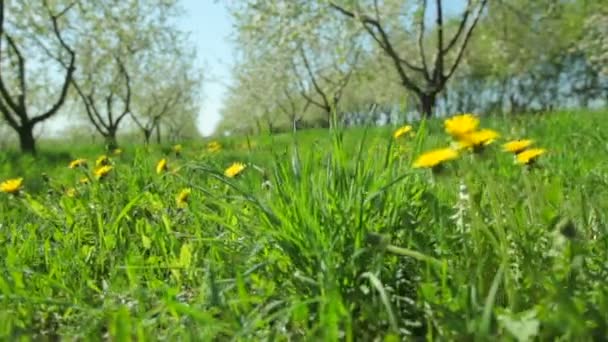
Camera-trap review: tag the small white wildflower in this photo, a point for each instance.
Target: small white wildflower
(461, 209)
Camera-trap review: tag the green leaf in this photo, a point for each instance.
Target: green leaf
(185, 255)
(146, 241)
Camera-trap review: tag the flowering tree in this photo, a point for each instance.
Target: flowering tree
(595, 41)
(311, 51)
(426, 77)
(158, 99)
(30, 53)
(122, 73)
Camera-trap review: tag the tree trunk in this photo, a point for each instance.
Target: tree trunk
(111, 142)
(26, 139)
(147, 135)
(270, 126)
(326, 122)
(158, 135)
(427, 104)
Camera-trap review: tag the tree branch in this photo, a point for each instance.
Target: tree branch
(138, 123)
(461, 26)
(303, 88)
(439, 56)
(421, 42)
(7, 105)
(21, 67)
(313, 79)
(8, 99)
(467, 37)
(69, 72)
(88, 103)
(385, 45)
(6, 114)
(127, 98)
(110, 107)
(345, 79)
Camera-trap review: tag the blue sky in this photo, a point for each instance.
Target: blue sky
(210, 26)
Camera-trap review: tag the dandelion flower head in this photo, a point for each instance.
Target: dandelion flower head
(102, 171)
(103, 160)
(435, 157)
(71, 192)
(478, 139)
(162, 166)
(460, 125)
(529, 156)
(78, 163)
(12, 186)
(517, 146)
(401, 131)
(234, 170)
(182, 198)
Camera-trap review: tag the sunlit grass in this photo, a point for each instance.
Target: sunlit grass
(322, 236)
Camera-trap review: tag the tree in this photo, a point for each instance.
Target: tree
(374, 95)
(245, 111)
(595, 40)
(157, 95)
(181, 125)
(22, 40)
(272, 98)
(511, 66)
(152, 113)
(108, 113)
(425, 79)
(323, 85)
(311, 49)
(293, 107)
(124, 39)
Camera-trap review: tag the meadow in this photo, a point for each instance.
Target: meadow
(315, 236)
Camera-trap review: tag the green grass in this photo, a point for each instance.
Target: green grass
(323, 237)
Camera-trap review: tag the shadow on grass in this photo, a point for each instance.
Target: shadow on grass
(43, 157)
(15, 164)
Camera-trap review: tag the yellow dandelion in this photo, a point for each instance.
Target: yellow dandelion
(102, 171)
(78, 163)
(117, 151)
(12, 186)
(182, 198)
(103, 160)
(460, 125)
(234, 170)
(478, 139)
(401, 131)
(162, 166)
(71, 192)
(529, 156)
(517, 146)
(214, 147)
(177, 148)
(434, 158)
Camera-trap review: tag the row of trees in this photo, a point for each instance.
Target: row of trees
(300, 61)
(107, 61)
